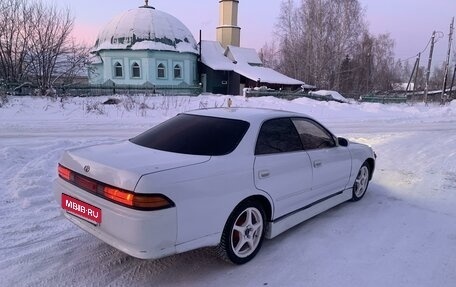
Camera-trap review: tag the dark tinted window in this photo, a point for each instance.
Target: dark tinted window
(277, 135)
(191, 134)
(313, 135)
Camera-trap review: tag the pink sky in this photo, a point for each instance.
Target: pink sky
(410, 22)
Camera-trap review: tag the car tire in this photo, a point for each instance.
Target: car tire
(243, 233)
(361, 182)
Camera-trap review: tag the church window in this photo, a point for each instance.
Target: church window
(177, 72)
(135, 70)
(118, 71)
(161, 71)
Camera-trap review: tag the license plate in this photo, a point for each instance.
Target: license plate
(81, 209)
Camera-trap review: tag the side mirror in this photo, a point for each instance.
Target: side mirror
(342, 142)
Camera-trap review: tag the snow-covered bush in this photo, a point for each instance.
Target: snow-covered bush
(3, 100)
(96, 107)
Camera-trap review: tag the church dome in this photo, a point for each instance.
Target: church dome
(146, 28)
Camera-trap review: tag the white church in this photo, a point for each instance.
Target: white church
(145, 47)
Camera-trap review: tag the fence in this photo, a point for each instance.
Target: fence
(98, 90)
(289, 95)
(403, 98)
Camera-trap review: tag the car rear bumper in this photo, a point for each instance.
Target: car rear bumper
(141, 234)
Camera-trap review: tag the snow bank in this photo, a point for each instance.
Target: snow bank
(142, 109)
(400, 234)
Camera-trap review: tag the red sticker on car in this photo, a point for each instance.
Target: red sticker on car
(80, 208)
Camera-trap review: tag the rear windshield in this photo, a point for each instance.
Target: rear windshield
(196, 135)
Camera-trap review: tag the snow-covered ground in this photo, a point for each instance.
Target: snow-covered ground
(403, 233)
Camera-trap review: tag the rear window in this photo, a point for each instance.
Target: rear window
(196, 135)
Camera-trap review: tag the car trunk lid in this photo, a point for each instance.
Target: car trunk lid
(123, 163)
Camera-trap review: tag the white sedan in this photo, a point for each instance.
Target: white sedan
(226, 177)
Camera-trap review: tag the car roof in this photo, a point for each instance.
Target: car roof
(246, 114)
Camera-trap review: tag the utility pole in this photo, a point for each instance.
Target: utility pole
(447, 63)
(416, 73)
(452, 82)
(428, 71)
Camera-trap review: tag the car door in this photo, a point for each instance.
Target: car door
(331, 163)
(282, 168)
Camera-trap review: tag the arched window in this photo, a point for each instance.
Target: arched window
(118, 71)
(161, 71)
(177, 72)
(135, 70)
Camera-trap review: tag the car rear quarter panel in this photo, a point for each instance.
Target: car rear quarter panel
(204, 194)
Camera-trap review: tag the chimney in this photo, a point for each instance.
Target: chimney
(228, 32)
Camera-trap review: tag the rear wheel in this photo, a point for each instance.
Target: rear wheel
(361, 182)
(243, 233)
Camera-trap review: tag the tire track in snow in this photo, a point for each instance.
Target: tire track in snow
(391, 235)
(34, 227)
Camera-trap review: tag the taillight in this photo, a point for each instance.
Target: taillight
(64, 172)
(142, 201)
(156, 201)
(118, 195)
(114, 194)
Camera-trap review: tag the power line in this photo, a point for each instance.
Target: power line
(439, 35)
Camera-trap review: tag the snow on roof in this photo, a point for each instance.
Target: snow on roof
(215, 57)
(307, 86)
(403, 86)
(212, 55)
(264, 75)
(146, 28)
(243, 55)
(335, 95)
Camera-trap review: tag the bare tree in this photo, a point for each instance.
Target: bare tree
(35, 44)
(269, 55)
(316, 36)
(383, 70)
(435, 81)
(404, 70)
(47, 46)
(289, 35)
(374, 64)
(326, 43)
(15, 32)
(71, 64)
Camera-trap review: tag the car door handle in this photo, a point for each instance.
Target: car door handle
(317, 163)
(263, 173)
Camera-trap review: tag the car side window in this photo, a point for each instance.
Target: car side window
(277, 136)
(313, 135)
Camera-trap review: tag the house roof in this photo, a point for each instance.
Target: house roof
(243, 61)
(212, 55)
(95, 59)
(243, 55)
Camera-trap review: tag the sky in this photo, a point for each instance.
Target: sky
(409, 22)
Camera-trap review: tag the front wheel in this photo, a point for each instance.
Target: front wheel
(361, 182)
(243, 233)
